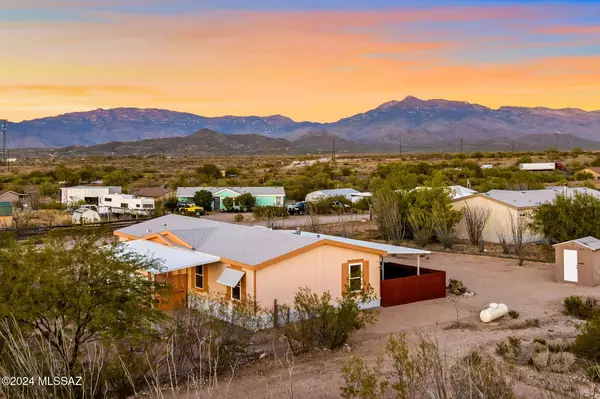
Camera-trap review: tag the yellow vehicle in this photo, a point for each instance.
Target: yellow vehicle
(190, 209)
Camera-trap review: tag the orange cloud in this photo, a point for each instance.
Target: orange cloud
(308, 65)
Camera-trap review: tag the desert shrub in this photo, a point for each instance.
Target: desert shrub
(246, 202)
(529, 323)
(444, 219)
(421, 225)
(557, 362)
(269, 212)
(228, 203)
(321, 322)
(424, 373)
(475, 220)
(513, 314)
(513, 351)
(587, 343)
(203, 198)
(54, 205)
(582, 308)
(362, 204)
(457, 287)
(238, 218)
(592, 372)
(213, 335)
(568, 218)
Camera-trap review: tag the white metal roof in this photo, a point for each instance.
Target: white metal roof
(533, 198)
(589, 242)
(390, 249)
(171, 258)
(230, 277)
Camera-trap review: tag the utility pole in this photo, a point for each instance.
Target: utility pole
(461, 146)
(333, 152)
(400, 146)
(513, 146)
(4, 154)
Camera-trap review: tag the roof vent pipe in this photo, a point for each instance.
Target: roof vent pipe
(565, 189)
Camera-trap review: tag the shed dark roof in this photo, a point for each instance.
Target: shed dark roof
(152, 192)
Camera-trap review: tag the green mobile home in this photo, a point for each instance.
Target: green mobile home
(265, 196)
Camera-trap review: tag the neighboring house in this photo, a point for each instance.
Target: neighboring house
(13, 197)
(320, 194)
(265, 196)
(507, 205)
(456, 192)
(5, 215)
(87, 194)
(205, 256)
(594, 171)
(156, 193)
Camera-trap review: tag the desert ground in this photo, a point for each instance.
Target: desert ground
(530, 289)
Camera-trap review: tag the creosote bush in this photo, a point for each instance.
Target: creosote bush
(582, 308)
(425, 373)
(457, 287)
(319, 321)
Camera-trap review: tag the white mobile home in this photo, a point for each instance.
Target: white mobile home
(87, 194)
(126, 203)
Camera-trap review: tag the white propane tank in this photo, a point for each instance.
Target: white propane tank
(493, 311)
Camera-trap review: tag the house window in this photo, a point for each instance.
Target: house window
(137, 205)
(236, 292)
(277, 200)
(107, 199)
(355, 276)
(124, 205)
(199, 277)
(148, 206)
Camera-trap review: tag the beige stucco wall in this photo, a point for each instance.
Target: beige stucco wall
(319, 269)
(498, 221)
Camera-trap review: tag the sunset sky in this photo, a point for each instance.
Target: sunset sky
(306, 59)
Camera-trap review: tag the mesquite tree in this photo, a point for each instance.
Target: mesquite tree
(475, 219)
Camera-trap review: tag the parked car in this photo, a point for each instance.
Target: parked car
(299, 208)
(190, 209)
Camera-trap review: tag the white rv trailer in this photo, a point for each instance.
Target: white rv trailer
(126, 203)
(87, 194)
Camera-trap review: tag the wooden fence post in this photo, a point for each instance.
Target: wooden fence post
(275, 314)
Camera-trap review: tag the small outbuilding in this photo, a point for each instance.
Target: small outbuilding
(578, 261)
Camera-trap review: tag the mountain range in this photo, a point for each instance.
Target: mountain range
(412, 123)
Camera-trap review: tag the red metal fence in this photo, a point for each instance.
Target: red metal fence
(431, 284)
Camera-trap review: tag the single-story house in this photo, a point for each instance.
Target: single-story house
(504, 205)
(156, 193)
(5, 215)
(578, 261)
(320, 194)
(455, 192)
(594, 171)
(265, 196)
(205, 256)
(13, 197)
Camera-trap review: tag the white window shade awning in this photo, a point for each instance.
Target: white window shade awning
(230, 277)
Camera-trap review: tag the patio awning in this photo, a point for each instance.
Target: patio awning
(169, 258)
(230, 277)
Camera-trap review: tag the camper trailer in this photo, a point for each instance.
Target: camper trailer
(126, 203)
